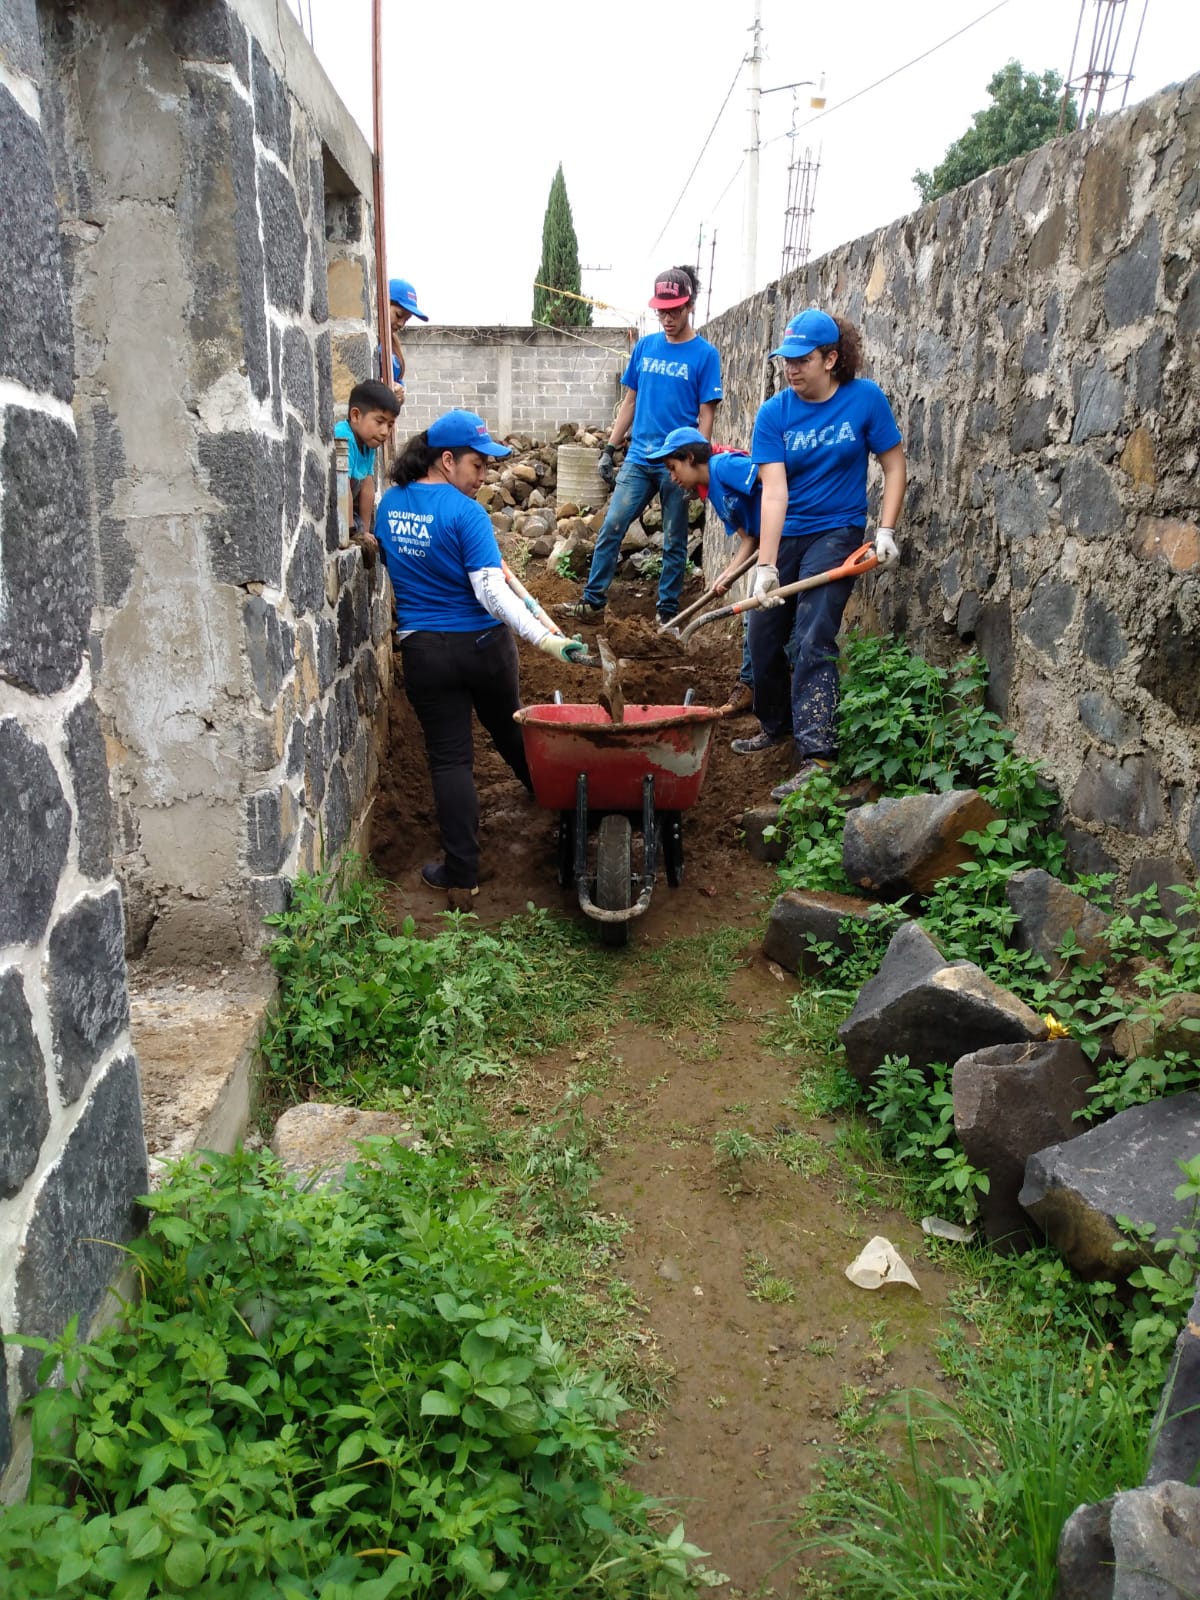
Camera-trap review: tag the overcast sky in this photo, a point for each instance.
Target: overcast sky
(484, 100)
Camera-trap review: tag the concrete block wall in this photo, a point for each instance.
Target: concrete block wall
(1038, 334)
(214, 193)
(520, 380)
(72, 1155)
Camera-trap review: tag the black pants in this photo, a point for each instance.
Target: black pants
(446, 677)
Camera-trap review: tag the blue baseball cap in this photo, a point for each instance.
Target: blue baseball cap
(401, 293)
(677, 439)
(454, 429)
(807, 332)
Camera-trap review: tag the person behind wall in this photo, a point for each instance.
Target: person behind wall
(673, 380)
(813, 441)
(732, 482)
(370, 416)
(454, 613)
(402, 308)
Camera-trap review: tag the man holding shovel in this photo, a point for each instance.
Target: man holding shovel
(673, 380)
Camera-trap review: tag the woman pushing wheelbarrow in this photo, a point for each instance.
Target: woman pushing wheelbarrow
(812, 442)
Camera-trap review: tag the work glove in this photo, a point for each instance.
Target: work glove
(887, 552)
(606, 466)
(562, 648)
(766, 579)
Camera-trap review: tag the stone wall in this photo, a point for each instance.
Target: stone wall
(520, 380)
(1038, 334)
(72, 1156)
(201, 163)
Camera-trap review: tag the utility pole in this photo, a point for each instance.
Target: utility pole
(750, 241)
(712, 267)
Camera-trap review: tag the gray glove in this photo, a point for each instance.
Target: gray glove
(606, 466)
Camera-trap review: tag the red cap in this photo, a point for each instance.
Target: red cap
(671, 290)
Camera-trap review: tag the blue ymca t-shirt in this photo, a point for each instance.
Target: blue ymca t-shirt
(671, 382)
(361, 462)
(825, 445)
(432, 536)
(734, 491)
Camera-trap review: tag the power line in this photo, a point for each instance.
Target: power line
(700, 157)
(736, 174)
(896, 71)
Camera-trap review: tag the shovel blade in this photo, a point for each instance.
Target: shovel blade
(610, 696)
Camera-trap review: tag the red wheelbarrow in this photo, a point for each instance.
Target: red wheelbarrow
(608, 778)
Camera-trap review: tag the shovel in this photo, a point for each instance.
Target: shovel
(673, 624)
(523, 594)
(610, 696)
(863, 560)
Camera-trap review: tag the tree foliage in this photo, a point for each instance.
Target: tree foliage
(559, 267)
(1023, 114)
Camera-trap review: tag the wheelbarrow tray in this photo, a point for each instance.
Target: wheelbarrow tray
(670, 744)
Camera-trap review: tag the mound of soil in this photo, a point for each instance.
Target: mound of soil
(518, 838)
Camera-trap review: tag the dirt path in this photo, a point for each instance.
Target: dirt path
(739, 1266)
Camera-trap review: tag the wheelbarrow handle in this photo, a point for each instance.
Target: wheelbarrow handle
(674, 623)
(862, 560)
(523, 594)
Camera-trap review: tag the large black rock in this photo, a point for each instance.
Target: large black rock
(83, 1212)
(34, 835)
(906, 845)
(1009, 1101)
(921, 1006)
(1176, 1436)
(1124, 1168)
(24, 1107)
(1156, 1542)
(799, 914)
(1048, 911)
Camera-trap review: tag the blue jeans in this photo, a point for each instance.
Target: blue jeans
(636, 486)
(793, 647)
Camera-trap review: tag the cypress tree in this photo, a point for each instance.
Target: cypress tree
(559, 267)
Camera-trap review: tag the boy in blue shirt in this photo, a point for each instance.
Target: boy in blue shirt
(732, 484)
(370, 415)
(673, 380)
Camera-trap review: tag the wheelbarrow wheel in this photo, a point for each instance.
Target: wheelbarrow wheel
(614, 866)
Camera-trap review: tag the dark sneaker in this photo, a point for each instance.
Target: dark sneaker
(662, 619)
(433, 876)
(581, 611)
(740, 701)
(762, 740)
(815, 768)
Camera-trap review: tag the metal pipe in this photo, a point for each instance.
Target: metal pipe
(382, 307)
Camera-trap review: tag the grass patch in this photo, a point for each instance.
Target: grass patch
(683, 985)
(764, 1283)
(967, 1500)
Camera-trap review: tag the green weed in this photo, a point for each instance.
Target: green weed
(764, 1283)
(341, 1391)
(968, 1500)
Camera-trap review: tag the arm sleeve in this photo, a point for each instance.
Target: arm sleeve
(767, 443)
(630, 375)
(710, 378)
(476, 538)
(498, 600)
(882, 432)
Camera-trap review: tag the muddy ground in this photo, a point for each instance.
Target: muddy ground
(761, 1386)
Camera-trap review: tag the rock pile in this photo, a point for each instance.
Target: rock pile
(520, 494)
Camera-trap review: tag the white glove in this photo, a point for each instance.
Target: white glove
(559, 646)
(766, 578)
(887, 552)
